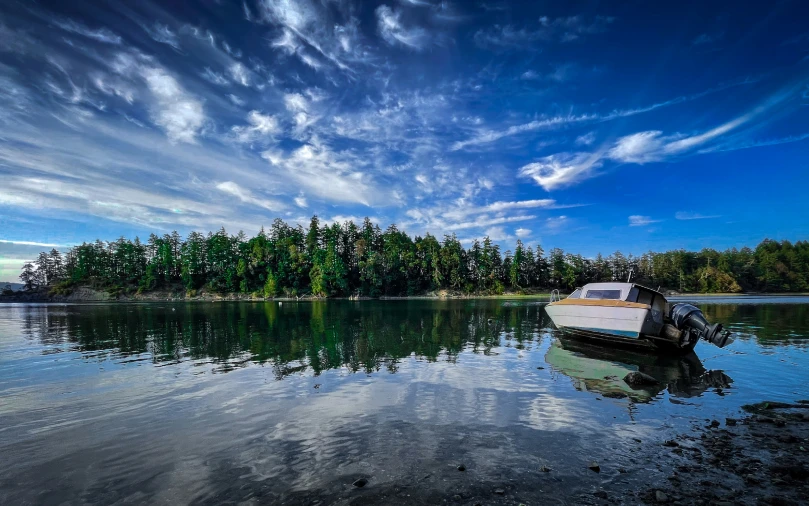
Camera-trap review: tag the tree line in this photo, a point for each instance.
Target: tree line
(347, 260)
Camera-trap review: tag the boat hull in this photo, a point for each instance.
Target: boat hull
(625, 320)
(611, 323)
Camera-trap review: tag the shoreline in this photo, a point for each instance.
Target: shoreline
(88, 294)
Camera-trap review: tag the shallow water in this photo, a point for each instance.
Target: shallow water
(266, 402)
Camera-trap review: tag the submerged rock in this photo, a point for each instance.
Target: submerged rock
(637, 378)
(461, 467)
(671, 443)
(360, 483)
(600, 494)
(545, 469)
(594, 467)
(661, 496)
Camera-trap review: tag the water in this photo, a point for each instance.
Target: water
(210, 403)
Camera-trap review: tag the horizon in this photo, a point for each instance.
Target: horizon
(588, 127)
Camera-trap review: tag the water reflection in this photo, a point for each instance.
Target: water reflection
(367, 336)
(599, 369)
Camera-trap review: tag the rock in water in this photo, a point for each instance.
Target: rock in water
(499, 491)
(660, 496)
(360, 483)
(461, 467)
(600, 494)
(594, 467)
(637, 378)
(545, 469)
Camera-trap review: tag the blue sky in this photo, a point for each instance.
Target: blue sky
(591, 126)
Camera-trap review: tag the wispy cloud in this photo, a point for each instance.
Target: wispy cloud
(32, 243)
(391, 28)
(562, 29)
(99, 34)
(260, 127)
(522, 233)
(163, 34)
(247, 197)
(689, 215)
(641, 221)
(707, 38)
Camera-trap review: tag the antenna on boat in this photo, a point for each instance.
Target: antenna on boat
(629, 278)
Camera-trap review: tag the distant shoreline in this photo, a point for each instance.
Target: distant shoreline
(87, 294)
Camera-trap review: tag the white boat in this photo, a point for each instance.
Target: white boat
(631, 314)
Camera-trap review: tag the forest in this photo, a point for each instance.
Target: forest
(342, 260)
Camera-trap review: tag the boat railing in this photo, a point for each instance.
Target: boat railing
(555, 295)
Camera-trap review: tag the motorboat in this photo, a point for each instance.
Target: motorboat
(628, 314)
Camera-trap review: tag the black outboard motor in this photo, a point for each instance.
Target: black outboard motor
(688, 318)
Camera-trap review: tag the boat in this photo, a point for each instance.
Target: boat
(631, 315)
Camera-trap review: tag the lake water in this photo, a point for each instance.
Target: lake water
(211, 403)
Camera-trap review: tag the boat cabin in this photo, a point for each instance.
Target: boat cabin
(628, 292)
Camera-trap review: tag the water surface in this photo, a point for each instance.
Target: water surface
(195, 403)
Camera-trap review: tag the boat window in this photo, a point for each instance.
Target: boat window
(645, 297)
(603, 294)
(576, 294)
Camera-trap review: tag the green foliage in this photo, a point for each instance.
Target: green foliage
(346, 259)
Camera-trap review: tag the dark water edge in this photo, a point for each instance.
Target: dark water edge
(292, 403)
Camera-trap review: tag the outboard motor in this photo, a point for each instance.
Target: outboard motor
(688, 318)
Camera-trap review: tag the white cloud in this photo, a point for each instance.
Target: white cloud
(236, 100)
(497, 234)
(163, 34)
(562, 169)
(247, 196)
(641, 221)
(240, 74)
(215, 77)
(688, 215)
(586, 139)
(529, 75)
(101, 34)
(520, 204)
(30, 243)
(642, 147)
(522, 233)
(260, 127)
(556, 223)
(487, 136)
(177, 112)
(301, 201)
(334, 176)
(485, 221)
(391, 28)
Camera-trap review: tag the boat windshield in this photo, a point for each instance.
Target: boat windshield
(603, 294)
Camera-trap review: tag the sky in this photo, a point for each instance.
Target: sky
(592, 126)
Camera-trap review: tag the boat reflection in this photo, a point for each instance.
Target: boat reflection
(602, 370)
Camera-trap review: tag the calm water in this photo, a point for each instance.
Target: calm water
(265, 402)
